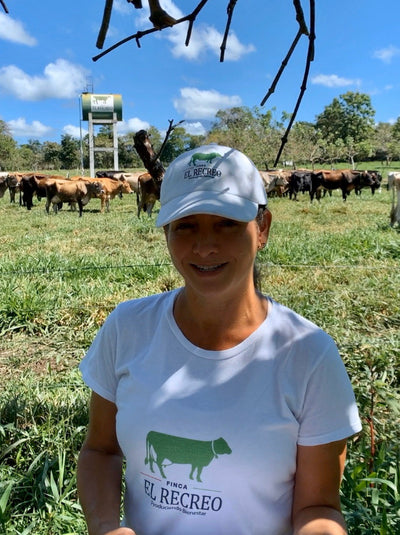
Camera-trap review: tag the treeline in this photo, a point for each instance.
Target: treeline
(345, 131)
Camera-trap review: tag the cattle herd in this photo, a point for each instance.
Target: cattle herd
(59, 190)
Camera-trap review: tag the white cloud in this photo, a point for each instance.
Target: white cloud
(132, 125)
(205, 39)
(197, 104)
(194, 129)
(20, 128)
(74, 131)
(13, 30)
(60, 79)
(123, 7)
(387, 54)
(333, 80)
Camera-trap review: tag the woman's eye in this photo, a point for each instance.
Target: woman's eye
(229, 223)
(183, 226)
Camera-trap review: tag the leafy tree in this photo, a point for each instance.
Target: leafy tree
(104, 139)
(179, 141)
(69, 152)
(332, 151)
(51, 154)
(127, 156)
(8, 148)
(386, 143)
(26, 158)
(34, 145)
(348, 117)
(233, 127)
(267, 136)
(304, 144)
(32, 154)
(255, 133)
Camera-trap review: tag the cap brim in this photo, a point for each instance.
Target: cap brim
(222, 204)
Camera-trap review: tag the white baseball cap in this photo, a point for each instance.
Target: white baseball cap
(211, 179)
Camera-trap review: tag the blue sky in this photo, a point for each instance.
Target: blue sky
(46, 62)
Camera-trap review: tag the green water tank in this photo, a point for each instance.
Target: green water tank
(101, 106)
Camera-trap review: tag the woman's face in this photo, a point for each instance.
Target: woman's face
(215, 255)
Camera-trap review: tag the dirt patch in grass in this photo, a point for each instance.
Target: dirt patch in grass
(24, 353)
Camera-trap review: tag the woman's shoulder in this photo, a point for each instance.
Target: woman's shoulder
(152, 304)
(295, 326)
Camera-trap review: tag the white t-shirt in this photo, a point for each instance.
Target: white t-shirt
(210, 437)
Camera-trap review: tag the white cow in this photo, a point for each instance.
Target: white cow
(274, 181)
(394, 184)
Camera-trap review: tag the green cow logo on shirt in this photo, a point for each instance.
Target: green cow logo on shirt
(180, 450)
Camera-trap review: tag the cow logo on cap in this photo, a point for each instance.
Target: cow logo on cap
(206, 158)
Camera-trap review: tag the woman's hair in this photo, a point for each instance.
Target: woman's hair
(256, 270)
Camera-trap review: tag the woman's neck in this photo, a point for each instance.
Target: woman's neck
(219, 324)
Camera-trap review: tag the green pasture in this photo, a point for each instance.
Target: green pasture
(60, 275)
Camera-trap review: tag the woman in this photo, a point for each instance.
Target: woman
(230, 410)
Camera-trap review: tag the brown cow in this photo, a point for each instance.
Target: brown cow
(131, 178)
(77, 191)
(14, 185)
(346, 180)
(148, 193)
(111, 188)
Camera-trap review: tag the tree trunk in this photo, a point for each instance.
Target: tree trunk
(146, 153)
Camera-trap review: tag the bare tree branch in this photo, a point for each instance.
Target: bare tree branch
(310, 58)
(229, 10)
(282, 68)
(145, 150)
(104, 23)
(4, 6)
(171, 128)
(192, 18)
(138, 35)
(300, 17)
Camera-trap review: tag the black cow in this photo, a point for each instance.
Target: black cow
(358, 180)
(35, 184)
(179, 450)
(108, 174)
(3, 185)
(299, 181)
(376, 182)
(31, 184)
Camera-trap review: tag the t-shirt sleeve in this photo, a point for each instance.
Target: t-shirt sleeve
(98, 367)
(329, 411)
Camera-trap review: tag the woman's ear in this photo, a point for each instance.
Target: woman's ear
(264, 226)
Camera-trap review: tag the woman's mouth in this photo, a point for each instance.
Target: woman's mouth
(208, 269)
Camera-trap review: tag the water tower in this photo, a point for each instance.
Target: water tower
(101, 110)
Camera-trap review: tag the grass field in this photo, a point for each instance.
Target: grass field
(60, 275)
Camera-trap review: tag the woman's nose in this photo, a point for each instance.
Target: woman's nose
(205, 243)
